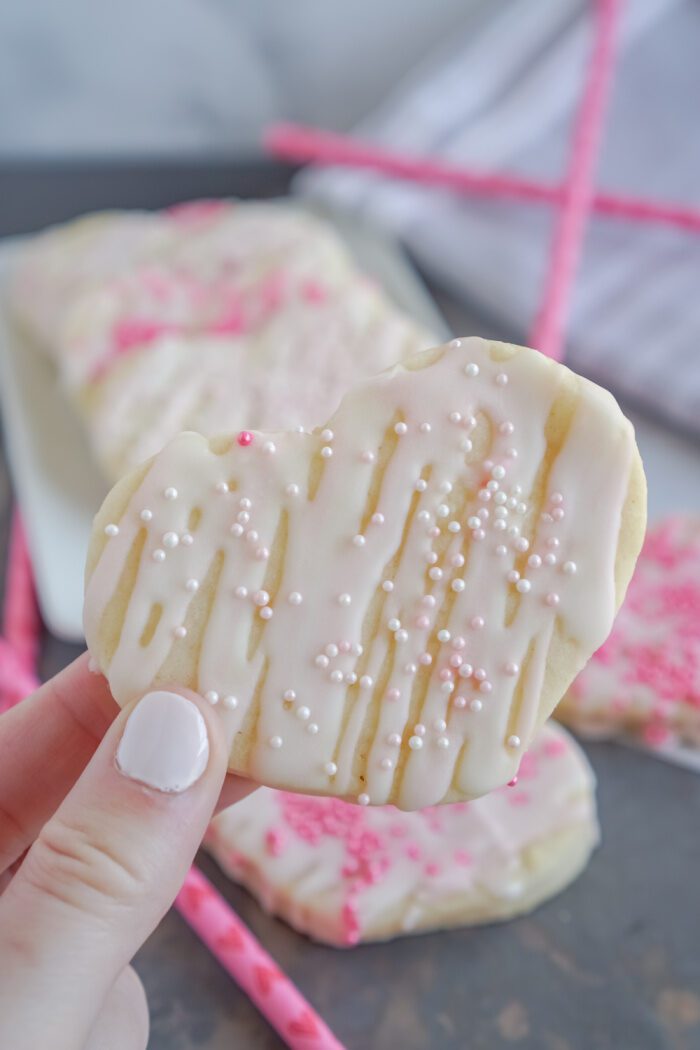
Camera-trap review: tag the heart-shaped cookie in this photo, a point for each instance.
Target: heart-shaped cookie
(344, 874)
(645, 681)
(386, 609)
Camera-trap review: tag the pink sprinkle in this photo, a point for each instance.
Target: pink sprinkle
(656, 735)
(245, 438)
(462, 857)
(513, 782)
(432, 869)
(274, 840)
(196, 210)
(413, 851)
(314, 291)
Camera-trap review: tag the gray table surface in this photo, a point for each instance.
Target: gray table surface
(613, 962)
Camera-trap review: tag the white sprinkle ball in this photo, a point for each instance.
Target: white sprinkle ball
(513, 741)
(230, 702)
(344, 598)
(431, 557)
(558, 513)
(455, 417)
(410, 668)
(471, 370)
(266, 613)
(358, 540)
(331, 769)
(212, 696)
(326, 451)
(443, 510)
(428, 600)
(420, 486)
(321, 661)
(556, 497)
(447, 687)
(466, 444)
(550, 559)
(236, 529)
(500, 498)
(387, 586)
(475, 705)
(186, 539)
(393, 740)
(506, 428)
(356, 649)
(435, 573)
(501, 379)
(171, 540)
(512, 576)
(261, 598)
(492, 486)
(480, 674)
(511, 668)
(327, 435)
(425, 428)
(478, 535)
(523, 586)
(303, 713)
(244, 503)
(332, 650)
(252, 536)
(521, 544)
(476, 623)
(393, 694)
(367, 456)
(415, 743)
(111, 530)
(485, 687)
(350, 677)
(454, 526)
(393, 623)
(269, 447)
(439, 725)
(290, 695)
(243, 517)
(460, 701)
(170, 493)
(275, 742)
(192, 586)
(336, 676)
(553, 542)
(292, 489)
(295, 598)
(569, 567)
(401, 636)
(443, 635)
(466, 671)
(534, 561)
(378, 519)
(366, 681)
(386, 763)
(146, 514)
(158, 554)
(498, 472)
(458, 586)
(221, 487)
(501, 550)
(180, 632)
(363, 799)
(400, 428)
(425, 659)
(240, 591)
(552, 599)
(312, 728)
(443, 742)
(419, 729)
(457, 561)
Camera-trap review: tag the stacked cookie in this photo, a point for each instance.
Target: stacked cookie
(210, 316)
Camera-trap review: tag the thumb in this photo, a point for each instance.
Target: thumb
(106, 867)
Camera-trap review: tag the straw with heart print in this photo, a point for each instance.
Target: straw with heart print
(206, 912)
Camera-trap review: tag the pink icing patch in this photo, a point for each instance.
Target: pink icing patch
(314, 291)
(274, 841)
(463, 858)
(196, 211)
(245, 438)
(133, 331)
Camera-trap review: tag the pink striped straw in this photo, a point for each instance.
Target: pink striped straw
(206, 911)
(549, 326)
(300, 144)
(247, 962)
(21, 624)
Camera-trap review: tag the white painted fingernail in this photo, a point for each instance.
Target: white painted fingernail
(165, 743)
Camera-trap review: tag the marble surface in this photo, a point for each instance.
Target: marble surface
(611, 963)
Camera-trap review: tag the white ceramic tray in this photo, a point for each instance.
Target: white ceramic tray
(57, 485)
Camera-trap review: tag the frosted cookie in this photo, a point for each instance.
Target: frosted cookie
(343, 874)
(645, 680)
(96, 287)
(386, 609)
(291, 370)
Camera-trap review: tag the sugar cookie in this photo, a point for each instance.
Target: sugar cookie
(344, 874)
(645, 680)
(386, 609)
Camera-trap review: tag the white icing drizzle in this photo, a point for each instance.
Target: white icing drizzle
(366, 685)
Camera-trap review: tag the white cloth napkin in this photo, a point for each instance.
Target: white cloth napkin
(502, 99)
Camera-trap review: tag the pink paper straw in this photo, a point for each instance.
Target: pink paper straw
(16, 680)
(300, 144)
(20, 623)
(247, 962)
(548, 330)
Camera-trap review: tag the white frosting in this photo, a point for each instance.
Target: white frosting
(345, 873)
(362, 575)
